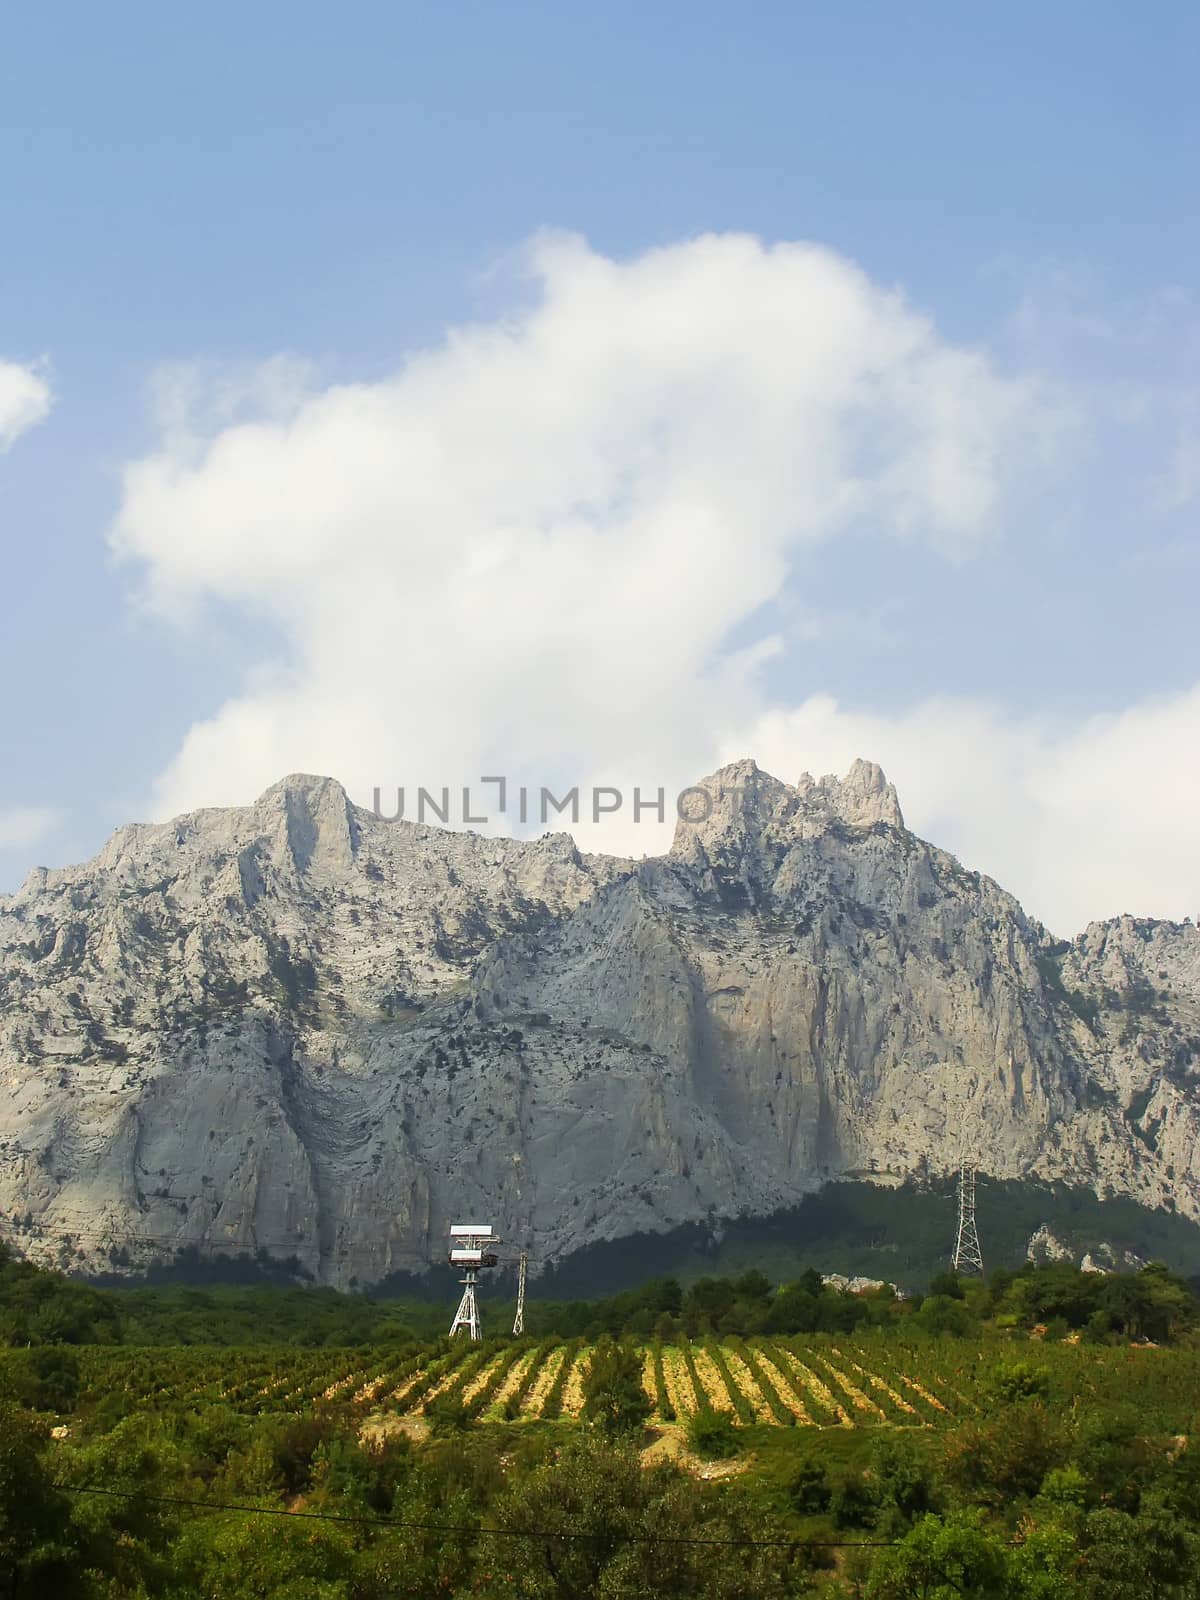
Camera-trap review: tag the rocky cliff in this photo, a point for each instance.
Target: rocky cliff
(299, 1029)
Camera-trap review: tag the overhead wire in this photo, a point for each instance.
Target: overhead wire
(461, 1529)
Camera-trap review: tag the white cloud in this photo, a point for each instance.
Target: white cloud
(1080, 821)
(529, 549)
(22, 827)
(25, 400)
(530, 544)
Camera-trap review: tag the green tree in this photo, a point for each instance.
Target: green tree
(38, 1553)
(45, 1378)
(124, 1531)
(954, 1559)
(853, 1499)
(943, 1314)
(268, 1558)
(808, 1489)
(614, 1399)
(1148, 1557)
(1045, 1563)
(609, 1528)
(1115, 1457)
(793, 1310)
(903, 1479)
(1008, 1456)
(752, 1285)
(1154, 1304)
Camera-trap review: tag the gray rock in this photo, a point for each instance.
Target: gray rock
(298, 1028)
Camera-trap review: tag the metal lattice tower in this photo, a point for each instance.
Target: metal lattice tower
(519, 1319)
(470, 1248)
(467, 1315)
(968, 1257)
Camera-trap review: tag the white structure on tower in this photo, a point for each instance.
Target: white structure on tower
(472, 1248)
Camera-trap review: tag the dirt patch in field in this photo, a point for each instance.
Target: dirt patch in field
(669, 1443)
(544, 1382)
(573, 1388)
(679, 1385)
(381, 1426)
(511, 1383)
(744, 1379)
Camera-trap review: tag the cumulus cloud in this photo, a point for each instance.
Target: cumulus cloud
(550, 547)
(532, 543)
(25, 400)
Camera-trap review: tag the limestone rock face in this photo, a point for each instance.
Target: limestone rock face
(300, 1029)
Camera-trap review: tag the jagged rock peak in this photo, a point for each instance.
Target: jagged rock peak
(740, 800)
(320, 822)
(863, 797)
(307, 786)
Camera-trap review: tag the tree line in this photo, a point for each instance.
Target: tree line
(39, 1306)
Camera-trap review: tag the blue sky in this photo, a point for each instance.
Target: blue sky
(186, 196)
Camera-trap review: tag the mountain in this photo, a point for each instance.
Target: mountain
(302, 1030)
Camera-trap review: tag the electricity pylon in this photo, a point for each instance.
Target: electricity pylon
(968, 1257)
(519, 1319)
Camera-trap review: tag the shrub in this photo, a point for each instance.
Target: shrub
(902, 1476)
(703, 1398)
(770, 1393)
(713, 1435)
(853, 1501)
(553, 1403)
(613, 1396)
(1022, 1381)
(809, 1490)
(515, 1401)
(448, 1414)
(662, 1395)
(1007, 1458)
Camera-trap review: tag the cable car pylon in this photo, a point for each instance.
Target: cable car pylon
(471, 1247)
(519, 1319)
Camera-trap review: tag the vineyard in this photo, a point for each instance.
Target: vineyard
(785, 1382)
(775, 1465)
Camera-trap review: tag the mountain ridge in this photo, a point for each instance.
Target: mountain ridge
(299, 1028)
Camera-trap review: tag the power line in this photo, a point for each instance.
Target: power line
(480, 1532)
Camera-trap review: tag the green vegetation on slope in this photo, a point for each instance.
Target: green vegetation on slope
(900, 1234)
(1027, 1437)
(42, 1307)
